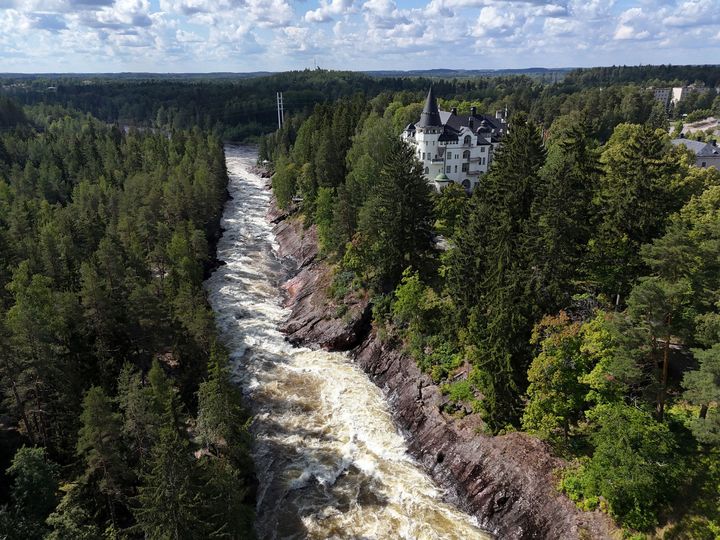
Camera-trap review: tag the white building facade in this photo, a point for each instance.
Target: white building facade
(707, 154)
(452, 148)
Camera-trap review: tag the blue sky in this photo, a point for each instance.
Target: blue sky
(251, 35)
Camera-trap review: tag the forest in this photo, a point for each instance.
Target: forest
(118, 418)
(572, 296)
(241, 107)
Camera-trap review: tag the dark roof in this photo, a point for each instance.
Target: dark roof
(701, 149)
(457, 121)
(430, 116)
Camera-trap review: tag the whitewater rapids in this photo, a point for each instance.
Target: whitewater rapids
(329, 460)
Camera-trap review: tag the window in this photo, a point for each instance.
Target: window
(427, 170)
(703, 164)
(423, 155)
(466, 184)
(467, 139)
(447, 169)
(466, 154)
(482, 149)
(449, 155)
(465, 167)
(455, 168)
(483, 161)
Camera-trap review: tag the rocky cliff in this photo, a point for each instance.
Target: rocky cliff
(507, 482)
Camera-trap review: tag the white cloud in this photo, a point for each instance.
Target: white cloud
(356, 34)
(328, 10)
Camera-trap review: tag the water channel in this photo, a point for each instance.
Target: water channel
(330, 462)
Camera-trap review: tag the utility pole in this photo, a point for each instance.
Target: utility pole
(280, 109)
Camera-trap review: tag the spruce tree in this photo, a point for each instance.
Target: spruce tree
(561, 219)
(169, 503)
(395, 225)
(489, 274)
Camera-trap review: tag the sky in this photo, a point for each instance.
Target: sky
(274, 35)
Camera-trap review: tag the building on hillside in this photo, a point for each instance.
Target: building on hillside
(454, 148)
(663, 96)
(681, 92)
(706, 154)
(670, 97)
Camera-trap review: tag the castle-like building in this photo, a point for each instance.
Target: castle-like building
(453, 148)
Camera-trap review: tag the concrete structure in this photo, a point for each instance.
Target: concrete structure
(453, 148)
(706, 154)
(670, 97)
(662, 95)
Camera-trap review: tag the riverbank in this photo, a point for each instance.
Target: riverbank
(506, 482)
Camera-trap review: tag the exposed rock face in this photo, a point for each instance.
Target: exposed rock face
(316, 320)
(507, 482)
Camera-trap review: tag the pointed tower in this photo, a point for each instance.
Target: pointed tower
(430, 117)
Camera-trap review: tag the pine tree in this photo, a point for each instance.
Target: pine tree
(702, 387)
(99, 444)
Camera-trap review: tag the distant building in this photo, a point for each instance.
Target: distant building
(670, 97)
(453, 148)
(681, 92)
(706, 154)
(662, 95)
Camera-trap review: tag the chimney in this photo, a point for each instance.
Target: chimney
(453, 111)
(473, 111)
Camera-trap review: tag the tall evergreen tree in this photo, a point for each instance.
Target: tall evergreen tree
(99, 444)
(169, 502)
(395, 225)
(489, 274)
(561, 218)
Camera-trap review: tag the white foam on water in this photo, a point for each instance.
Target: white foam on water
(329, 460)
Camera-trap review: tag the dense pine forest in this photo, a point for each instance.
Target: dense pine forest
(573, 296)
(118, 418)
(243, 107)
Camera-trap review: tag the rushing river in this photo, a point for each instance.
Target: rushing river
(329, 460)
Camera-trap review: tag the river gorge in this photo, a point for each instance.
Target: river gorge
(329, 460)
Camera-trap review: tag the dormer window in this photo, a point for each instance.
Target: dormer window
(467, 139)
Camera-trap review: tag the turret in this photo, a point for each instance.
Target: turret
(430, 117)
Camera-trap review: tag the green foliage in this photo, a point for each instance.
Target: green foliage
(556, 395)
(449, 207)
(488, 272)
(702, 387)
(636, 195)
(105, 239)
(634, 466)
(33, 492)
(395, 224)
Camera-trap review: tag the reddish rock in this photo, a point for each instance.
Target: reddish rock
(507, 482)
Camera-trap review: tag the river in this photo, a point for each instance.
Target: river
(329, 460)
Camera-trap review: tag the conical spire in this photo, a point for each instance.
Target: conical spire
(430, 116)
